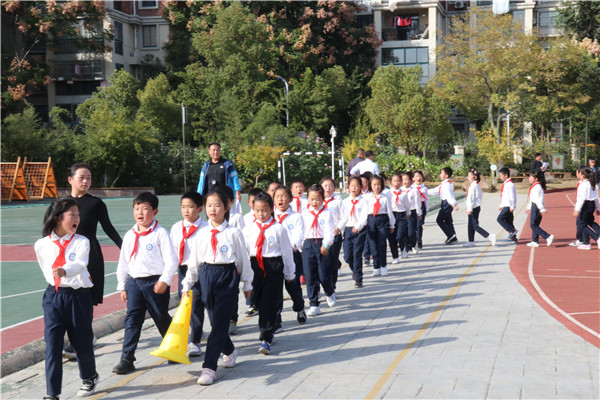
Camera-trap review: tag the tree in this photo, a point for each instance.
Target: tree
(403, 112)
(22, 136)
(580, 18)
(485, 57)
(159, 108)
(258, 160)
(41, 24)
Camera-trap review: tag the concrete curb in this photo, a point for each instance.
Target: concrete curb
(34, 352)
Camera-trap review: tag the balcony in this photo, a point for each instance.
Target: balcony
(414, 33)
(72, 46)
(78, 71)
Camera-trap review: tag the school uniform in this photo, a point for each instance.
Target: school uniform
(334, 205)
(424, 196)
(299, 203)
(400, 205)
(367, 250)
(318, 231)
(249, 218)
(146, 258)
(354, 216)
(219, 261)
(236, 220)
(414, 210)
(182, 237)
(67, 307)
(508, 202)
(444, 218)
(271, 259)
(379, 221)
(474, 197)
(586, 204)
(536, 207)
(294, 226)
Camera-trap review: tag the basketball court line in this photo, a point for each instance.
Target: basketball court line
(39, 291)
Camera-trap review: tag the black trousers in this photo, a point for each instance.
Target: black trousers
(444, 219)
(354, 243)
(197, 319)
(267, 294)
(473, 225)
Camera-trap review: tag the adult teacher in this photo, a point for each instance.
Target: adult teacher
(218, 171)
(368, 165)
(360, 156)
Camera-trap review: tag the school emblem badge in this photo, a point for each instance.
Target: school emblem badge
(72, 256)
(322, 222)
(271, 239)
(224, 248)
(291, 226)
(149, 247)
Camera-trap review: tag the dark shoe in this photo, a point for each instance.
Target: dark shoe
(89, 386)
(69, 352)
(301, 317)
(451, 240)
(124, 366)
(420, 245)
(51, 398)
(358, 284)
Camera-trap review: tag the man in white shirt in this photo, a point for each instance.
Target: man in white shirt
(368, 165)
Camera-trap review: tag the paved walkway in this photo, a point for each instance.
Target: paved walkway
(448, 323)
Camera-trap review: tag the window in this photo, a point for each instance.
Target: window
(547, 23)
(401, 26)
(148, 4)
(149, 38)
(118, 38)
(519, 15)
(76, 88)
(408, 57)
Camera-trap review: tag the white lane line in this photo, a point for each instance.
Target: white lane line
(585, 312)
(36, 291)
(550, 303)
(568, 198)
(568, 277)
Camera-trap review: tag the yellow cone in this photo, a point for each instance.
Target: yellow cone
(174, 344)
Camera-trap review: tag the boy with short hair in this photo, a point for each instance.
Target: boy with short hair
(300, 201)
(508, 204)
(146, 267)
(446, 192)
(183, 234)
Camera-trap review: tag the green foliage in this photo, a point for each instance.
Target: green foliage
(159, 109)
(120, 96)
(22, 136)
(581, 18)
(258, 160)
(310, 168)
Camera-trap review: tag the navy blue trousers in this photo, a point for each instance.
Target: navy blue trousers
(398, 238)
(444, 220)
(413, 229)
(354, 244)
(71, 311)
(378, 230)
(316, 270)
(589, 227)
(473, 225)
(141, 298)
(197, 319)
(421, 223)
(267, 294)
(506, 219)
(334, 259)
(220, 287)
(535, 219)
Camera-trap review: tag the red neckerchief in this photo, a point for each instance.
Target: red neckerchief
(397, 193)
(377, 205)
(259, 244)
(353, 205)
(325, 202)
(281, 217)
(60, 258)
(423, 197)
(186, 235)
(502, 189)
(298, 203)
(532, 186)
(315, 222)
(137, 237)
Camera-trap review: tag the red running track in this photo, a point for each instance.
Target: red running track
(25, 333)
(565, 281)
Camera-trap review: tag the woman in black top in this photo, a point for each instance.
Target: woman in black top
(92, 210)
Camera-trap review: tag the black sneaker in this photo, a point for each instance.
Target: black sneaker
(420, 245)
(89, 386)
(69, 352)
(301, 317)
(124, 366)
(51, 398)
(252, 311)
(451, 240)
(358, 284)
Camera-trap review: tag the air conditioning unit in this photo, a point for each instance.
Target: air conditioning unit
(459, 4)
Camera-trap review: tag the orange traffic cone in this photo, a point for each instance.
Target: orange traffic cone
(174, 344)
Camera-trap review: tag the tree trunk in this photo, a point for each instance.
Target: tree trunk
(117, 176)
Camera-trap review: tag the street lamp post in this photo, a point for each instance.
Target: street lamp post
(287, 101)
(333, 134)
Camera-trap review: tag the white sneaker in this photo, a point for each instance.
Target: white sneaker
(340, 273)
(207, 377)
(549, 240)
(229, 361)
(493, 239)
(469, 244)
(330, 300)
(575, 243)
(404, 254)
(313, 311)
(376, 272)
(533, 244)
(415, 251)
(395, 261)
(194, 350)
(384, 271)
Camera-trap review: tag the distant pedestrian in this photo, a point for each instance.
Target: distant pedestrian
(380, 223)
(368, 165)
(474, 199)
(586, 205)
(537, 164)
(218, 171)
(360, 156)
(446, 192)
(595, 171)
(424, 195)
(536, 209)
(508, 204)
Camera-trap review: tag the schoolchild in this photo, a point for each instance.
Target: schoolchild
(413, 212)
(353, 223)
(249, 217)
(333, 202)
(446, 192)
(219, 261)
(397, 239)
(380, 223)
(182, 237)
(299, 202)
(578, 224)
(318, 238)
(366, 192)
(508, 204)
(92, 211)
(146, 267)
(366, 179)
(474, 199)
(424, 195)
(294, 226)
(63, 258)
(536, 208)
(586, 204)
(271, 259)
(272, 187)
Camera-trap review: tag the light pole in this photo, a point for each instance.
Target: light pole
(333, 134)
(287, 101)
(183, 122)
